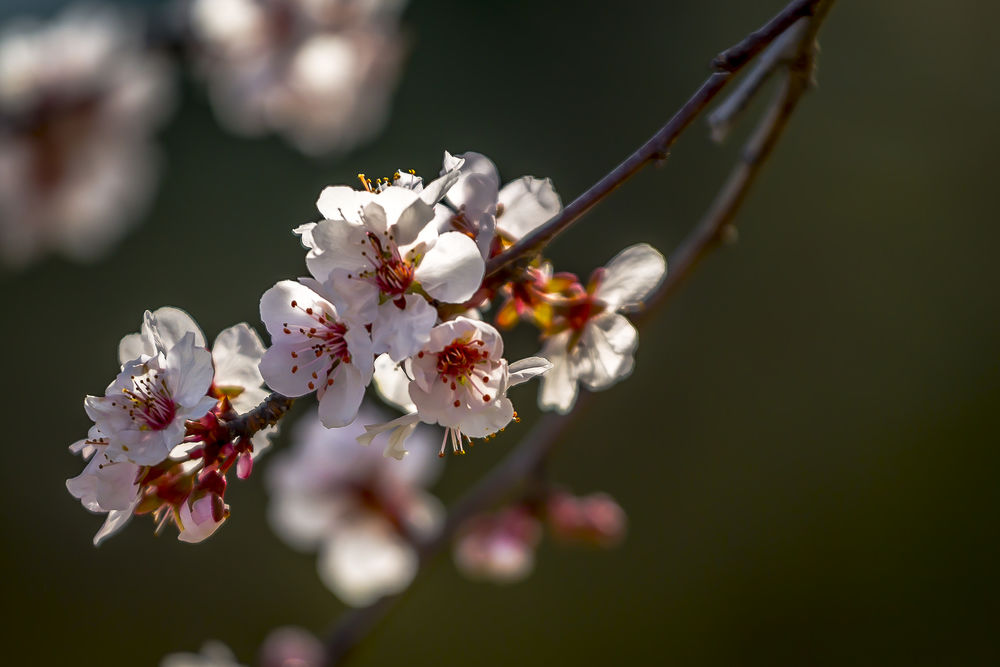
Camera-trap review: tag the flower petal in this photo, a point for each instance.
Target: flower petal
(453, 269)
(339, 402)
(392, 384)
(526, 369)
(475, 164)
(169, 325)
(631, 275)
(527, 203)
(191, 370)
(116, 521)
(237, 352)
(401, 332)
(342, 202)
(559, 388)
(277, 312)
(609, 341)
(132, 347)
(276, 368)
(336, 245)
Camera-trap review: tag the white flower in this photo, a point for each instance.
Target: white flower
(80, 97)
(460, 381)
(314, 349)
(143, 412)
(483, 210)
(380, 252)
(360, 510)
(104, 486)
(320, 72)
(597, 347)
(236, 355)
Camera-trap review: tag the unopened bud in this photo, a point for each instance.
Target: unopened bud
(499, 548)
(202, 517)
(244, 465)
(291, 647)
(595, 519)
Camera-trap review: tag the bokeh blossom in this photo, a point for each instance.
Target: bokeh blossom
(360, 510)
(319, 72)
(79, 100)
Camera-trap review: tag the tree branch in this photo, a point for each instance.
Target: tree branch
(727, 64)
(541, 440)
(268, 413)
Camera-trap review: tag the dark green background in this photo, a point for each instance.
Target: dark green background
(807, 450)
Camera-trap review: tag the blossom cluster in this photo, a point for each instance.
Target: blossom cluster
(395, 296)
(319, 72)
(367, 515)
(362, 512)
(159, 444)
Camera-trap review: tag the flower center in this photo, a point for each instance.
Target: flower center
(324, 339)
(459, 358)
(392, 274)
(149, 402)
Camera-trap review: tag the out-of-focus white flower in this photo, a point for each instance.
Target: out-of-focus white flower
(499, 547)
(79, 100)
(382, 255)
(314, 349)
(358, 509)
(596, 345)
(460, 381)
(485, 211)
(213, 654)
(321, 72)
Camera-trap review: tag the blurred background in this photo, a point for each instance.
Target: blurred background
(807, 451)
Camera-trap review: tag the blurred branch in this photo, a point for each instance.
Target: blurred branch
(727, 64)
(707, 234)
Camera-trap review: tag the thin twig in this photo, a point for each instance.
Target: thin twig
(727, 64)
(540, 441)
(780, 52)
